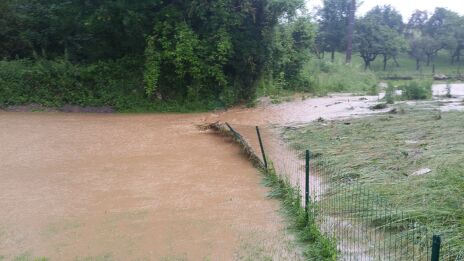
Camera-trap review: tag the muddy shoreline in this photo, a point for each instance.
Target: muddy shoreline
(66, 108)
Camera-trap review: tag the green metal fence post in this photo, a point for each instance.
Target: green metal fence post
(436, 245)
(262, 148)
(307, 181)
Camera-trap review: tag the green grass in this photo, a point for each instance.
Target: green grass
(382, 152)
(325, 76)
(407, 66)
(339, 77)
(315, 245)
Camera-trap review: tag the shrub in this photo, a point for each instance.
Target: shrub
(417, 90)
(59, 82)
(390, 94)
(115, 83)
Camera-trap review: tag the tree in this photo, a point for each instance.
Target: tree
(12, 43)
(440, 30)
(379, 33)
(333, 21)
(292, 46)
(217, 50)
(416, 23)
(415, 34)
(367, 39)
(394, 42)
(349, 37)
(208, 52)
(80, 30)
(458, 31)
(427, 36)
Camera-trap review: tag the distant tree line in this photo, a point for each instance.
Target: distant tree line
(382, 33)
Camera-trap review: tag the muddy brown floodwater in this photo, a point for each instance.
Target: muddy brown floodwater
(130, 187)
(144, 187)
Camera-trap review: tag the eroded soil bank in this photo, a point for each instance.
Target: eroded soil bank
(130, 187)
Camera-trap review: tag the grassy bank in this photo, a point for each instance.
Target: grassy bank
(322, 77)
(413, 159)
(315, 245)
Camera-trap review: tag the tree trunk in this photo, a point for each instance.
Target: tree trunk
(332, 57)
(429, 59)
(417, 64)
(385, 62)
(349, 36)
(396, 61)
(367, 64)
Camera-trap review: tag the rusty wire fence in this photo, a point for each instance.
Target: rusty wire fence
(362, 223)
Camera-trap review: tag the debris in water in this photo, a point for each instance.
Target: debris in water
(421, 172)
(208, 126)
(290, 127)
(379, 106)
(440, 77)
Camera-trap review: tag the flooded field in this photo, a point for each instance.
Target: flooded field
(147, 187)
(301, 110)
(130, 187)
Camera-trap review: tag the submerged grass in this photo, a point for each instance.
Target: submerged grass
(413, 160)
(316, 246)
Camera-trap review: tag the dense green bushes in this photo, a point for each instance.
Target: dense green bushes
(416, 90)
(55, 83)
(117, 83)
(161, 55)
(339, 77)
(185, 54)
(219, 52)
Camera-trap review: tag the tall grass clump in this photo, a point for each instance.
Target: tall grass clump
(339, 77)
(316, 245)
(416, 90)
(390, 94)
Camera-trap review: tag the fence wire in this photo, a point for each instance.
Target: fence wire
(362, 223)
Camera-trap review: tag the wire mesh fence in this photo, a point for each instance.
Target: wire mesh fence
(362, 223)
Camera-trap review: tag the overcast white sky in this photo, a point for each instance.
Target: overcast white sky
(406, 7)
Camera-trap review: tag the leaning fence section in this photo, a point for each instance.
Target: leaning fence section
(363, 224)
